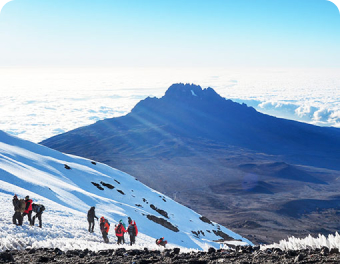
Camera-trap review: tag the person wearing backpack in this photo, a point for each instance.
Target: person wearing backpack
(17, 217)
(38, 209)
(161, 242)
(133, 232)
(91, 215)
(104, 227)
(28, 209)
(120, 230)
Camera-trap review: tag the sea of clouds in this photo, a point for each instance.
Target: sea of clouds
(36, 104)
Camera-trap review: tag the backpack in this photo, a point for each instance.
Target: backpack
(132, 230)
(107, 225)
(22, 205)
(38, 208)
(119, 230)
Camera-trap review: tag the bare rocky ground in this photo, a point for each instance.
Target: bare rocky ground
(242, 255)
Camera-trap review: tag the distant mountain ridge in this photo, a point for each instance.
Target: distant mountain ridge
(191, 140)
(187, 111)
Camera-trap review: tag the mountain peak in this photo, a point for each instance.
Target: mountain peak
(181, 91)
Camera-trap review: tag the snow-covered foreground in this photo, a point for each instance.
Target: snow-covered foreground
(293, 243)
(63, 228)
(68, 186)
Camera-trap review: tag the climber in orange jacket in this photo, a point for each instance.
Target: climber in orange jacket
(104, 227)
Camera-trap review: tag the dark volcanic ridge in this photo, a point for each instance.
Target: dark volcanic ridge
(157, 126)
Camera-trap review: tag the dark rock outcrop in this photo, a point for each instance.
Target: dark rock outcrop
(121, 255)
(163, 222)
(160, 211)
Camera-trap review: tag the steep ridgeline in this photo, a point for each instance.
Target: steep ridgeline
(188, 114)
(76, 184)
(220, 158)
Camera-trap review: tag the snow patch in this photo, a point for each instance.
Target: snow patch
(193, 93)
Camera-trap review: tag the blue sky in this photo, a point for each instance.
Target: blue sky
(176, 33)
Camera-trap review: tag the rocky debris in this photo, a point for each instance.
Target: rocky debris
(160, 211)
(120, 191)
(98, 186)
(223, 235)
(67, 167)
(108, 185)
(205, 220)
(198, 233)
(121, 255)
(163, 222)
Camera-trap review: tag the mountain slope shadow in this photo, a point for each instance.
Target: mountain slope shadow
(246, 187)
(297, 208)
(281, 170)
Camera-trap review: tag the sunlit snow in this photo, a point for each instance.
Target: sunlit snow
(30, 169)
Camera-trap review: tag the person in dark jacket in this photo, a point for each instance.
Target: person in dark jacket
(104, 228)
(120, 230)
(133, 232)
(28, 209)
(91, 215)
(17, 217)
(38, 209)
(161, 242)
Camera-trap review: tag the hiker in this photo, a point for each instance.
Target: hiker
(129, 220)
(120, 230)
(104, 227)
(38, 209)
(28, 209)
(123, 237)
(161, 242)
(91, 215)
(17, 217)
(133, 232)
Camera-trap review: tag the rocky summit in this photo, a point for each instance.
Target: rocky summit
(239, 255)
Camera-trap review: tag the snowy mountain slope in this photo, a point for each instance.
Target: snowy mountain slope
(70, 185)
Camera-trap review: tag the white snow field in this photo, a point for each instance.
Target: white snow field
(30, 169)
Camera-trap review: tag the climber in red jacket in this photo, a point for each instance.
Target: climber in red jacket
(28, 209)
(120, 230)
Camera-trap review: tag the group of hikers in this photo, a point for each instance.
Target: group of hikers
(120, 229)
(23, 207)
(26, 207)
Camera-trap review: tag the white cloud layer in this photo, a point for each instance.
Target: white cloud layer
(38, 103)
